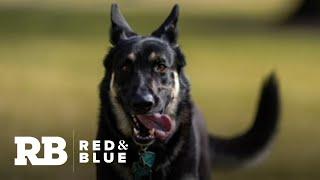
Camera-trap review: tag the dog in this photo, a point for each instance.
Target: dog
(145, 100)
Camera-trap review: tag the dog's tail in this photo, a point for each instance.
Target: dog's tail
(251, 146)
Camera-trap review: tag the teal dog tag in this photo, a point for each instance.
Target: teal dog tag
(148, 158)
(143, 167)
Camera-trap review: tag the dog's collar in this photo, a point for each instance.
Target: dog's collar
(143, 167)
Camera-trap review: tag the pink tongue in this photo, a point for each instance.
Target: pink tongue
(156, 121)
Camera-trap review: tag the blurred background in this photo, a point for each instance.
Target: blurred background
(51, 54)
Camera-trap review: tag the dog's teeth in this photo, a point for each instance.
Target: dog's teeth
(151, 132)
(135, 131)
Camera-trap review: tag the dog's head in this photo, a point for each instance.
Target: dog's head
(143, 76)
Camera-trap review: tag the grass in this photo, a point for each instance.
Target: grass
(51, 64)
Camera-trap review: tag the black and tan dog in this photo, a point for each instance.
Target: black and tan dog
(145, 100)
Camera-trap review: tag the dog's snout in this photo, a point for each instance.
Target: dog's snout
(143, 103)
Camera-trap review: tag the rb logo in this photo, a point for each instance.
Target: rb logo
(48, 148)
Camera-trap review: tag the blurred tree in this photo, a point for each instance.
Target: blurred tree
(307, 13)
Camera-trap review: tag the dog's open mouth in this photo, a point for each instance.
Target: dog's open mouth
(149, 127)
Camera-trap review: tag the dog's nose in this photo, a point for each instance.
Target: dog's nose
(142, 104)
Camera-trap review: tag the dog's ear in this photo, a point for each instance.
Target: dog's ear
(169, 30)
(120, 29)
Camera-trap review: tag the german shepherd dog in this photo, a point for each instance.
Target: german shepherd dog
(145, 100)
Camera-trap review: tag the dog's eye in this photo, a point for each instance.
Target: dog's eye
(125, 68)
(161, 68)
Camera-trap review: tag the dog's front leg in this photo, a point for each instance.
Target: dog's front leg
(186, 166)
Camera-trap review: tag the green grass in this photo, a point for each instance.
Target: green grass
(51, 64)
